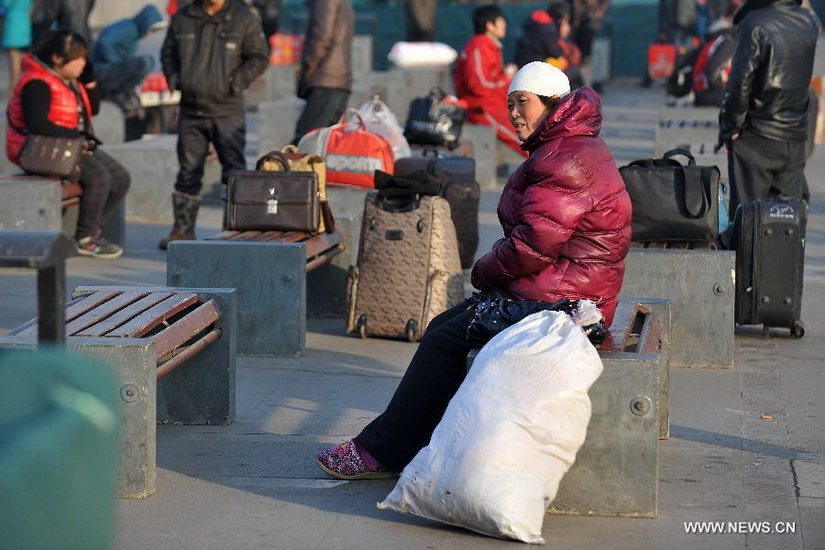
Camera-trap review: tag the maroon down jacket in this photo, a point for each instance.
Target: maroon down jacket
(565, 214)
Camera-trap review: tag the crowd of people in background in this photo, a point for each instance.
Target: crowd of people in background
(212, 67)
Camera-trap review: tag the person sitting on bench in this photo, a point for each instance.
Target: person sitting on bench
(56, 96)
(566, 220)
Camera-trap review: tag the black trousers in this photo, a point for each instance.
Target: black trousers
(324, 107)
(420, 20)
(436, 371)
(105, 182)
(760, 168)
(227, 134)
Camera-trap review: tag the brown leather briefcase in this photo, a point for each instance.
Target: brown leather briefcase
(267, 201)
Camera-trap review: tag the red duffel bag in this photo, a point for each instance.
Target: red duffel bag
(351, 151)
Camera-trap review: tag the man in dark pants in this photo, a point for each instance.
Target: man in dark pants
(763, 120)
(213, 51)
(325, 78)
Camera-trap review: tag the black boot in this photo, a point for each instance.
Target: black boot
(186, 214)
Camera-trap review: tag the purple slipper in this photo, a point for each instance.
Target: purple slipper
(349, 460)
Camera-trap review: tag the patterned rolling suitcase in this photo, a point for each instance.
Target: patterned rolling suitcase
(459, 186)
(408, 268)
(769, 236)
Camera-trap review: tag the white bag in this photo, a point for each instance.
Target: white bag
(420, 55)
(379, 119)
(509, 434)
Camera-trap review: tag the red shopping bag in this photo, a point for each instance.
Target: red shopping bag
(351, 151)
(661, 59)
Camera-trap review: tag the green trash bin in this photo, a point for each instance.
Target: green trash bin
(58, 444)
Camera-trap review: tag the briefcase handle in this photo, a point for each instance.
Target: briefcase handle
(679, 151)
(273, 156)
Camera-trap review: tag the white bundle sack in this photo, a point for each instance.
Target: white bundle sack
(380, 119)
(421, 55)
(509, 434)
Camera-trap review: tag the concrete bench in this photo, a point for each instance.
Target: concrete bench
(616, 472)
(269, 270)
(699, 282)
(152, 162)
(275, 121)
(675, 133)
(110, 123)
(679, 125)
(43, 203)
(174, 354)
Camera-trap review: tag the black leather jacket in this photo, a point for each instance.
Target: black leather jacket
(767, 91)
(213, 59)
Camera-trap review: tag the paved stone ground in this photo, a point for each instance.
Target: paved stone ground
(253, 484)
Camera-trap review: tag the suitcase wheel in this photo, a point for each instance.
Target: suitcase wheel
(798, 330)
(411, 330)
(361, 326)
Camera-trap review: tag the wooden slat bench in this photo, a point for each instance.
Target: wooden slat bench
(269, 269)
(616, 470)
(174, 353)
(677, 245)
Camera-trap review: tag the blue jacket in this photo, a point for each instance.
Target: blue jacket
(118, 41)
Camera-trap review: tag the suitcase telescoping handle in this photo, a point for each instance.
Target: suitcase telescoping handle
(397, 204)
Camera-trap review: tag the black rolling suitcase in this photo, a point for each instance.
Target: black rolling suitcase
(769, 238)
(457, 176)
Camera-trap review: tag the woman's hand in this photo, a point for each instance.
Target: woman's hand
(476, 280)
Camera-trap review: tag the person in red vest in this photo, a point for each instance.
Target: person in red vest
(481, 78)
(56, 96)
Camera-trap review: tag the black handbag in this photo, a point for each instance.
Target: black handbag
(266, 201)
(495, 311)
(433, 120)
(671, 201)
(52, 156)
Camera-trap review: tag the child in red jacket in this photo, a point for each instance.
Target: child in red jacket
(481, 78)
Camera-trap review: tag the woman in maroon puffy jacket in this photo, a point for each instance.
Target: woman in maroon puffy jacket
(566, 221)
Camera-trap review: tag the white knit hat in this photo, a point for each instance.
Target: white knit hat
(542, 79)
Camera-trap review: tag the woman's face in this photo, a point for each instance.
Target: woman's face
(526, 112)
(70, 70)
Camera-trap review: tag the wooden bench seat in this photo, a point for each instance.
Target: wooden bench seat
(179, 323)
(70, 194)
(270, 270)
(634, 330)
(320, 247)
(680, 245)
(174, 354)
(616, 470)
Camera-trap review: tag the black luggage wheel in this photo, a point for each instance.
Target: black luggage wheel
(411, 330)
(798, 330)
(361, 326)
